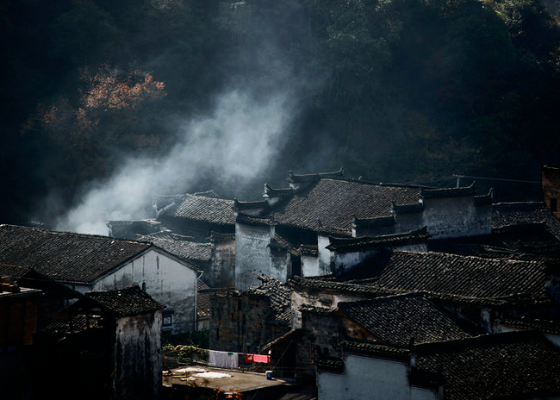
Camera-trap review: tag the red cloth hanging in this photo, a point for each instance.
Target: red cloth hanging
(249, 358)
(261, 359)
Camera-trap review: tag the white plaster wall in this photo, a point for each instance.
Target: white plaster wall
(168, 281)
(370, 378)
(310, 266)
(325, 255)
(252, 254)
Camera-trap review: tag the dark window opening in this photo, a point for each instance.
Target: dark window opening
(554, 204)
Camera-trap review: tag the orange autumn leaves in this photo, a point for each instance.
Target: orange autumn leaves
(111, 88)
(107, 107)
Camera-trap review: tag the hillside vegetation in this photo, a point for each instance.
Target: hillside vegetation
(393, 90)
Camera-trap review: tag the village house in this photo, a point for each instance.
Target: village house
(389, 319)
(317, 207)
(108, 347)
(473, 285)
(198, 228)
(196, 214)
(515, 365)
(86, 263)
(246, 321)
(395, 296)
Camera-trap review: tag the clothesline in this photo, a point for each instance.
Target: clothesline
(230, 359)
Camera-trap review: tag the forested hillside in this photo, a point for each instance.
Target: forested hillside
(392, 90)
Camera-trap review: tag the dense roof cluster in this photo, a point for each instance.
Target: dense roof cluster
(512, 365)
(332, 204)
(500, 366)
(440, 273)
(527, 241)
(506, 214)
(398, 319)
(65, 256)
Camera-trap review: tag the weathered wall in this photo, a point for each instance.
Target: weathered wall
(406, 222)
(370, 378)
(222, 269)
(253, 256)
(456, 216)
(138, 359)
(310, 266)
(166, 280)
(238, 323)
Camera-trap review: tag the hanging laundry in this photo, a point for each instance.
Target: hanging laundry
(251, 358)
(222, 359)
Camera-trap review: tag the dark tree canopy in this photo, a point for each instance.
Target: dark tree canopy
(393, 90)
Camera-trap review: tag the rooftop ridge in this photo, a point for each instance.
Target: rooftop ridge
(448, 192)
(313, 177)
(271, 192)
(341, 244)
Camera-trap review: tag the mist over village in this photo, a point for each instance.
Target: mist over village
(281, 200)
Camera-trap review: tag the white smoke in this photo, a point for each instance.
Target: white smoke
(238, 139)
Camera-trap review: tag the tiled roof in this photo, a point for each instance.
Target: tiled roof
(534, 324)
(181, 246)
(65, 256)
(506, 214)
(202, 208)
(124, 302)
(515, 365)
(14, 272)
(473, 277)
(279, 295)
(219, 237)
(397, 319)
(354, 244)
(522, 241)
(332, 204)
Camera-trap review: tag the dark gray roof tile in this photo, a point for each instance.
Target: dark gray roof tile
(65, 256)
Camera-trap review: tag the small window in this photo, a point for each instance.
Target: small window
(167, 320)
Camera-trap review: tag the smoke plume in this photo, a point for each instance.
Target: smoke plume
(237, 140)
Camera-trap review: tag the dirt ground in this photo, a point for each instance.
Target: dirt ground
(230, 379)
